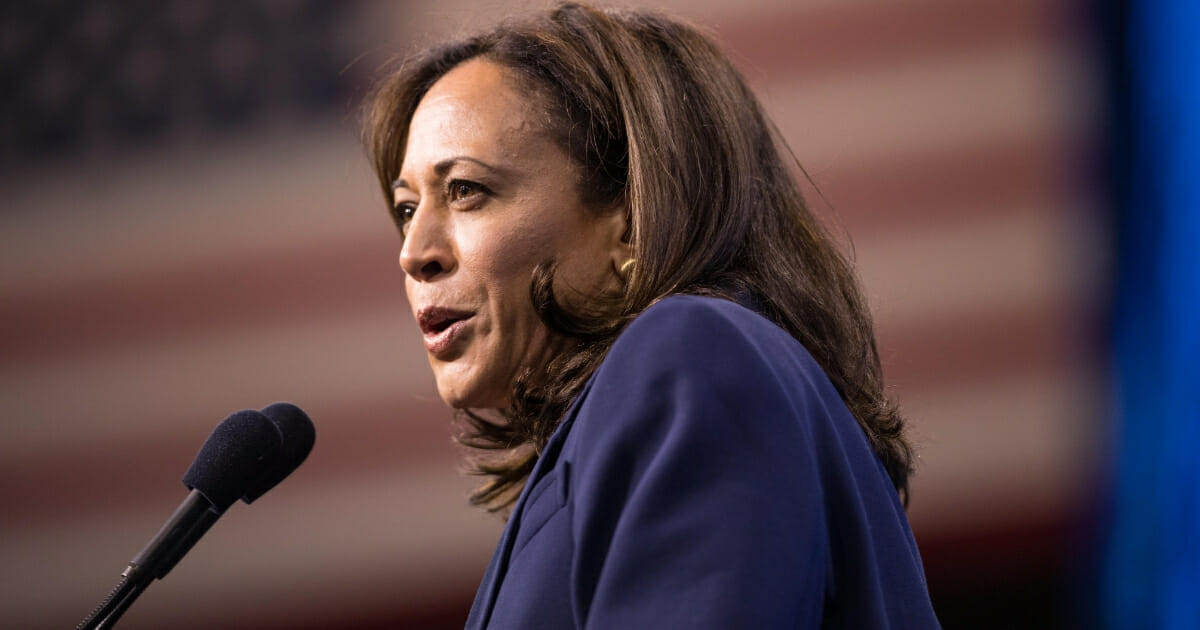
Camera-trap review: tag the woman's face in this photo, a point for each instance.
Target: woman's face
(484, 196)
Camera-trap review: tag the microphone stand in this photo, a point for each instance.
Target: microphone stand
(190, 521)
(107, 614)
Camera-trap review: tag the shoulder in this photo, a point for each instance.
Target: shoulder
(700, 379)
(702, 365)
(686, 317)
(693, 337)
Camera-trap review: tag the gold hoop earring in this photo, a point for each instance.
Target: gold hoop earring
(626, 268)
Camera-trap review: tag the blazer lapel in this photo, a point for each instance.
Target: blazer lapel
(485, 597)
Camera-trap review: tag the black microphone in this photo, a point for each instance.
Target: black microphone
(244, 457)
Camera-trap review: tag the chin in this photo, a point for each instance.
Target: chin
(458, 397)
(467, 383)
(454, 399)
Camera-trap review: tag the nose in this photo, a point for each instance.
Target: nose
(427, 252)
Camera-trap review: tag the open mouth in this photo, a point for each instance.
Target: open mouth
(435, 320)
(444, 330)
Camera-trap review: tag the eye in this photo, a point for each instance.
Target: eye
(461, 189)
(403, 213)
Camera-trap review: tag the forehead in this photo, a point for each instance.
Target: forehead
(479, 108)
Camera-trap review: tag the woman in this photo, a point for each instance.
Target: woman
(666, 365)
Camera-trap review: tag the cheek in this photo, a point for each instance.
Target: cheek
(520, 246)
(505, 259)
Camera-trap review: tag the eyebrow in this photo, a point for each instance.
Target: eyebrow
(443, 167)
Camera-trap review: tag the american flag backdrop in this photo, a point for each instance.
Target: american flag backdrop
(189, 227)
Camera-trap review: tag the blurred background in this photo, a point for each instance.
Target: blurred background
(189, 227)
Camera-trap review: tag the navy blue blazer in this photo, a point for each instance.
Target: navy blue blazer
(707, 476)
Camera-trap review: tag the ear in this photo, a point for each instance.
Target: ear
(618, 235)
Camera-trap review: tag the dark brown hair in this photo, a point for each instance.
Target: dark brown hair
(657, 119)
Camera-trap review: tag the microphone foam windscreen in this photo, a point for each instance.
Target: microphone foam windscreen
(298, 437)
(240, 451)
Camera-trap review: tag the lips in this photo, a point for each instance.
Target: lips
(441, 327)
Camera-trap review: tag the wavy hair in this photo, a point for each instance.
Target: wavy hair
(658, 120)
